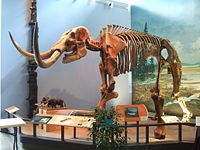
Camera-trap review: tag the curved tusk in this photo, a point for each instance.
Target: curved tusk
(44, 55)
(19, 48)
(43, 64)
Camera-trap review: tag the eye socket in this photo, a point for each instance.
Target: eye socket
(71, 42)
(72, 35)
(80, 43)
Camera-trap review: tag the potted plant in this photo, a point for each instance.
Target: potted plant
(107, 131)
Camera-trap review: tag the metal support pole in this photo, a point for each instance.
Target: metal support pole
(94, 135)
(20, 130)
(147, 134)
(180, 132)
(8, 115)
(126, 138)
(74, 132)
(62, 133)
(34, 130)
(94, 139)
(137, 132)
(15, 139)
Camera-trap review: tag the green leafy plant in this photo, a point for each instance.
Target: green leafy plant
(107, 131)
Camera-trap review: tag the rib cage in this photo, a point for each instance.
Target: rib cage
(136, 42)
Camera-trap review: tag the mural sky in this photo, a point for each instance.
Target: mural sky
(178, 21)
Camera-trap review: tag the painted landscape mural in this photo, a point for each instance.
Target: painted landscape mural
(182, 27)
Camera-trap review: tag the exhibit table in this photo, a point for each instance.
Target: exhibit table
(12, 123)
(61, 121)
(45, 111)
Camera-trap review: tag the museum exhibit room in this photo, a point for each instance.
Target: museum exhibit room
(100, 75)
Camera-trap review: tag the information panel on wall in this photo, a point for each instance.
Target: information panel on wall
(133, 112)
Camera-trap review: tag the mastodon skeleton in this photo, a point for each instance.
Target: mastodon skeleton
(119, 49)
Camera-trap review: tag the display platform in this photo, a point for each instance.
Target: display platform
(30, 143)
(188, 133)
(49, 110)
(64, 111)
(83, 141)
(73, 132)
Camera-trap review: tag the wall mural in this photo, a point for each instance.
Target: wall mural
(183, 30)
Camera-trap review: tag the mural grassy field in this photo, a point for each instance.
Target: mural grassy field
(190, 90)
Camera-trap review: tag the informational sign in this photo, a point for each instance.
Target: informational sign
(75, 121)
(12, 109)
(198, 121)
(133, 112)
(41, 119)
(170, 119)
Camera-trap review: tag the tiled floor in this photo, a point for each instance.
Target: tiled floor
(6, 142)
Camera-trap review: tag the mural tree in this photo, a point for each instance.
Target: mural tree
(145, 69)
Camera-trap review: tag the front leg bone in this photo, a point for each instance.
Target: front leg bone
(111, 65)
(187, 114)
(103, 77)
(106, 97)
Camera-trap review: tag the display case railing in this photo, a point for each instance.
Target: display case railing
(147, 126)
(137, 125)
(126, 126)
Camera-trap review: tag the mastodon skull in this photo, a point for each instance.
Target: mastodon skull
(72, 42)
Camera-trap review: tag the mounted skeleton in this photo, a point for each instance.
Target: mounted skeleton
(119, 48)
